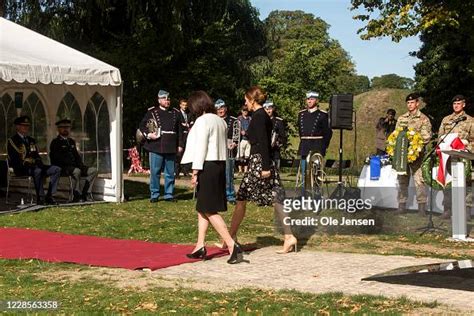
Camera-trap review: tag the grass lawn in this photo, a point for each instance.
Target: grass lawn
(176, 223)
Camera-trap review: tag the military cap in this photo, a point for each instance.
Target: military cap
(64, 123)
(312, 94)
(22, 120)
(268, 104)
(219, 103)
(163, 94)
(458, 97)
(412, 96)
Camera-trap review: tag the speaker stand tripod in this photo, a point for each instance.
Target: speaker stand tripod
(430, 227)
(339, 191)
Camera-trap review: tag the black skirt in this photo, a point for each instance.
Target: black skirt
(210, 191)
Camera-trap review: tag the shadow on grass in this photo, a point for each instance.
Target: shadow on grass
(135, 190)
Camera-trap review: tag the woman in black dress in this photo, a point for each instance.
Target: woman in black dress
(207, 151)
(261, 183)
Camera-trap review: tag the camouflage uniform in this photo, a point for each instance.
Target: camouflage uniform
(465, 131)
(420, 123)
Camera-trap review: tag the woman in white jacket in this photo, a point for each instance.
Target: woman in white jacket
(207, 149)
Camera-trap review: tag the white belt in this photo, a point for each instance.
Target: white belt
(168, 132)
(311, 137)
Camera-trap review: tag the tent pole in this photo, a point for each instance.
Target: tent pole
(118, 145)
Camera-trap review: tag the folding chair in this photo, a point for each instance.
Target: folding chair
(71, 188)
(11, 176)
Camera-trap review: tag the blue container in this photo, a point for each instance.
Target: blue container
(375, 166)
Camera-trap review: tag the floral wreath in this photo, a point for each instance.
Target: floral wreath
(415, 143)
(425, 168)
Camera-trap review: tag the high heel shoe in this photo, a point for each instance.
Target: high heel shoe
(289, 245)
(198, 254)
(237, 255)
(221, 246)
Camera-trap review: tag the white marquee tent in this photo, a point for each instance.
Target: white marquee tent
(48, 81)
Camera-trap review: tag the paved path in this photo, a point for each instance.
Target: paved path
(318, 272)
(315, 272)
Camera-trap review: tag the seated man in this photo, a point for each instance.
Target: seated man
(26, 161)
(63, 152)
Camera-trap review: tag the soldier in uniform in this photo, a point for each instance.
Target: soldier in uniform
(279, 137)
(420, 123)
(385, 126)
(25, 160)
(161, 127)
(63, 153)
(244, 145)
(187, 122)
(233, 137)
(314, 131)
(454, 123)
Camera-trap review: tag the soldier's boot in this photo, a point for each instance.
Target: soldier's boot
(85, 193)
(446, 213)
(422, 209)
(76, 196)
(402, 208)
(49, 196)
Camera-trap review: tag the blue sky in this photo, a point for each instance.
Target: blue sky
(372, 58)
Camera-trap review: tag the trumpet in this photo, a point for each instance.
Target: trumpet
(235, 139)
(274, 139)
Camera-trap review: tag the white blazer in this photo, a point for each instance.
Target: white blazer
(207, 141)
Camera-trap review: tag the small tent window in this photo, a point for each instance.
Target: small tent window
(69, 108)
(33, 107)
(96, 142)
(7, 116)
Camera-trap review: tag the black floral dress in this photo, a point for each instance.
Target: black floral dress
(262, 191)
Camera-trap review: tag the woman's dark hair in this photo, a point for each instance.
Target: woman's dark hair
(257, 94)
(199, 103)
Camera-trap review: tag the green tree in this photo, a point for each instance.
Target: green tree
(354, 84)
(403, 18)
(302, 57)
(392, 81)
(175, 45)
(446, 68)
(447, 53)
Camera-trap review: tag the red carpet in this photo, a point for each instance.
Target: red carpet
(20, 243)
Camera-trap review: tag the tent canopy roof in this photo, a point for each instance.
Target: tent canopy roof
(27, 56)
